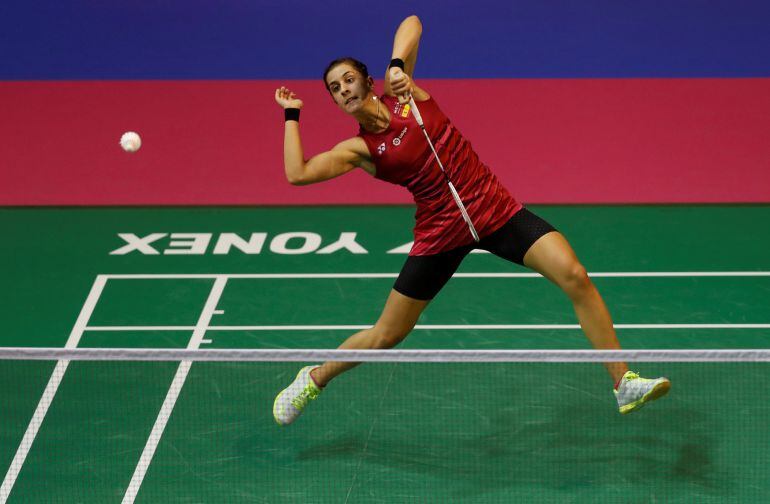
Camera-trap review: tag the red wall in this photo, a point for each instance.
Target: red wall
(220, 142)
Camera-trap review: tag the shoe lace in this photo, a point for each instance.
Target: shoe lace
(307, 394)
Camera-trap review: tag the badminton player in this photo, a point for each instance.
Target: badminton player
(391, 147)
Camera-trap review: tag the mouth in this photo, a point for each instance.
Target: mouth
(351, 99)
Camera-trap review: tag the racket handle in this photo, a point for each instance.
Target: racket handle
(416, 112)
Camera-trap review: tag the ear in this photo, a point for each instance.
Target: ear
(370, 82)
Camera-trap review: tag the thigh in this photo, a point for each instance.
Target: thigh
(514, 239)
(553, 257)
(422, 277)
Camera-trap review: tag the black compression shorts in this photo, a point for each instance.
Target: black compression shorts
(422, 277)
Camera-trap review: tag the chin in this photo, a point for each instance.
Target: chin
(354, 107)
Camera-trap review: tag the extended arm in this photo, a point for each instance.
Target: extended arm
(343, 158)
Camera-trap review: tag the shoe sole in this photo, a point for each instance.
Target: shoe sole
(276, 411)
(657, 392)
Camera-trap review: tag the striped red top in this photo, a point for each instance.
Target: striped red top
(402, 156)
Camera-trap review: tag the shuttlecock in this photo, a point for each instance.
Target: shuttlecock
(130, 141)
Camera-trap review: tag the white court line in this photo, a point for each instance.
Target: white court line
(141, 328)
(628, 274)
(50, 389)
(173, 392)
(426, 327)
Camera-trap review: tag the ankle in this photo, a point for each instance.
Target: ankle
(318, 383)
(617, 383)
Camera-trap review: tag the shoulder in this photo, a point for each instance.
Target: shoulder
(356, 145)
(387, 98)
(358, 148)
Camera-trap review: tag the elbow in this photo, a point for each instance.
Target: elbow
(295, 181)
(295, 174)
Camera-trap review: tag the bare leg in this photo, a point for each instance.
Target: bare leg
(552, 257)
(396, 321)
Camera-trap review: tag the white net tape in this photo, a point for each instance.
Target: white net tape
(315, 355)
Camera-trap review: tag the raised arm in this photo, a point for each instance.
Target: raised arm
(406, 42)
(344, 157)
(405, 45)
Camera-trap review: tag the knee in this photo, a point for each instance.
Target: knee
(388, 336)
(575, 281)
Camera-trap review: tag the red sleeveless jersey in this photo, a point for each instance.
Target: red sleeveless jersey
(402, 156)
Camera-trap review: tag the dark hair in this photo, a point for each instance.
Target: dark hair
(347, 59)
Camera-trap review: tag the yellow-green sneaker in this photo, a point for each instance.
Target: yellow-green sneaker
(292, 400)
(634, 391)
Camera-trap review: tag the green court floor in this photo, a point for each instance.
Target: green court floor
(672, 276)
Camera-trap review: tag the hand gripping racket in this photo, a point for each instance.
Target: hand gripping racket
(452, 189)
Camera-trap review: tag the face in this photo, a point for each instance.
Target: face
(348, 87)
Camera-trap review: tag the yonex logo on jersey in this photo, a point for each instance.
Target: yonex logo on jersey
(381, 148)
(397, 140)
(405, 112)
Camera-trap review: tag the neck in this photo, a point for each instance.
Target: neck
(373, 116)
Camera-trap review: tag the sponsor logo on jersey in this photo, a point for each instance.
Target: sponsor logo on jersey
(405, 112)
(381, 148)
(397, 108)
(397, 140)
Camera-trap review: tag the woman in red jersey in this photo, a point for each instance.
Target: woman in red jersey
(391, 147)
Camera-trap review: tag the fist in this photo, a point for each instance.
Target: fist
(287, 99)
(400, 84)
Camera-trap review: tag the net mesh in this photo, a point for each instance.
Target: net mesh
(90, 425)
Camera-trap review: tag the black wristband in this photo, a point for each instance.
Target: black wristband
(396, 62)
(291, 114)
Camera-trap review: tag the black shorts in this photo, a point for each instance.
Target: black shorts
(422, 277)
